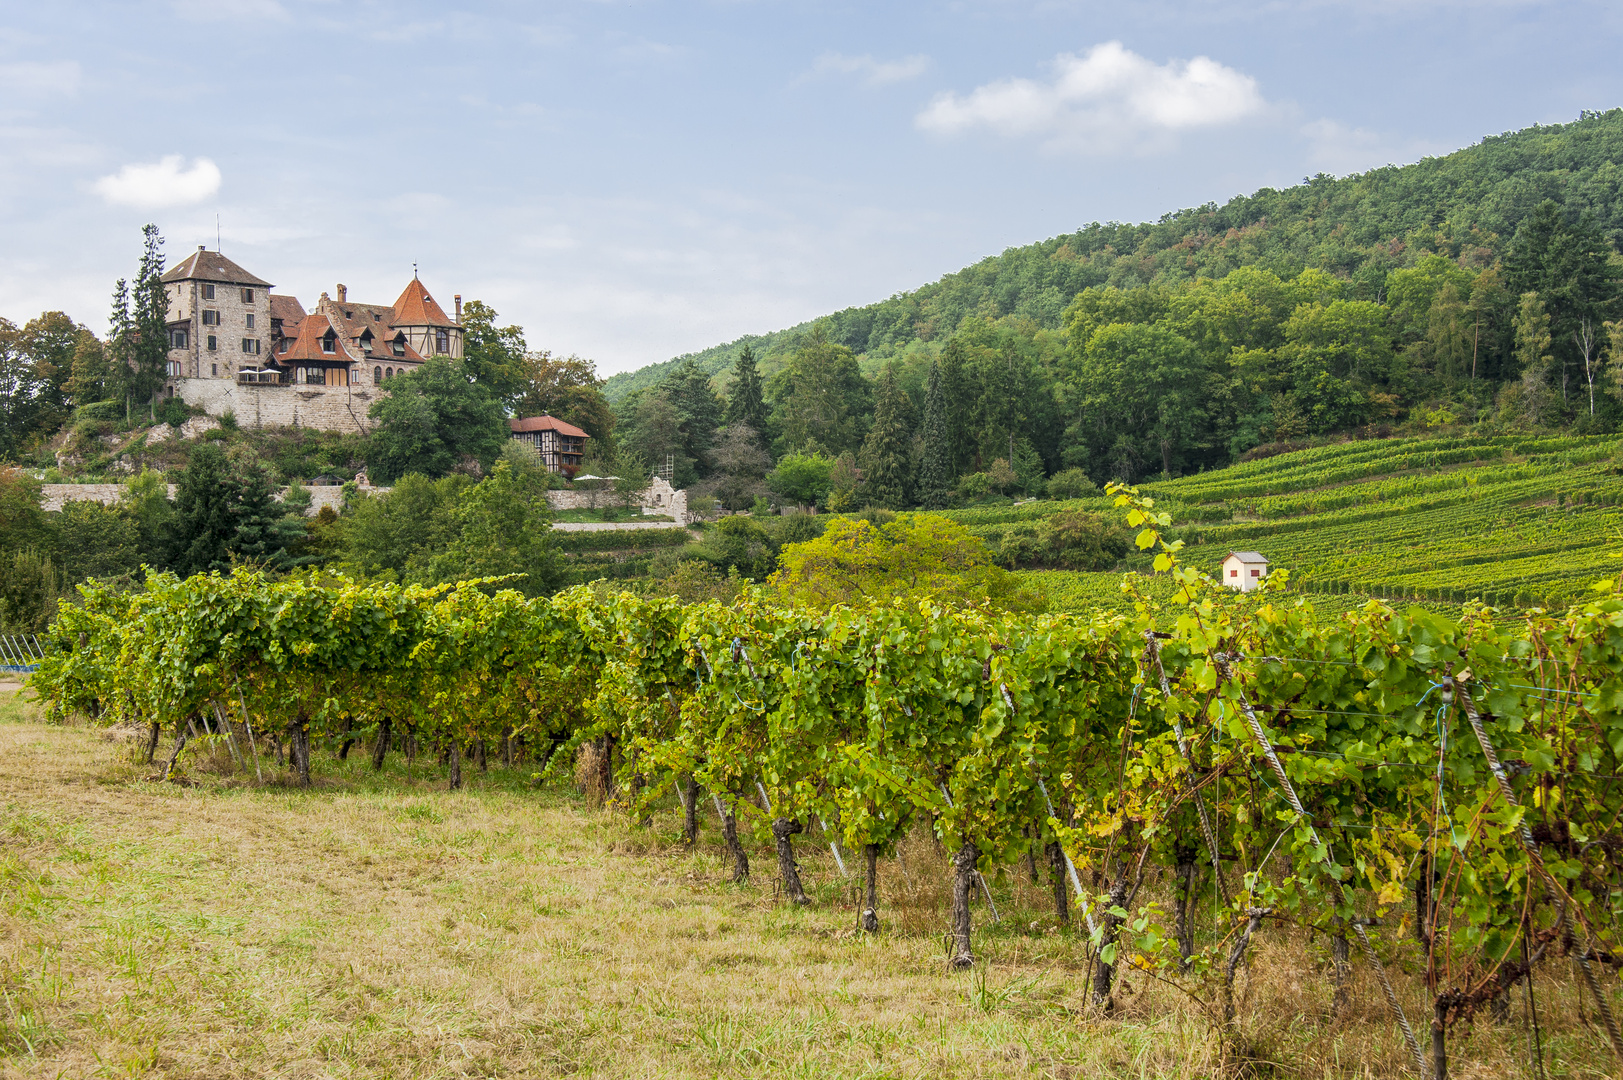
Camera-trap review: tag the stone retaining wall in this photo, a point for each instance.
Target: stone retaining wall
(325, 408)
(52, 496)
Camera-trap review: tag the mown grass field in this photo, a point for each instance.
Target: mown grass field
(380, 926)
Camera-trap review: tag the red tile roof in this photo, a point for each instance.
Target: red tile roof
(547, 423)
(289, 310)
(416, 308)
(206, 265)
(307, 345)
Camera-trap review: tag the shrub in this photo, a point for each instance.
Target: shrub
(797, 528)
(1071, 484)
(975, 485)
(742, 544)
(1081, 541)
(173, 412)
(100, 410)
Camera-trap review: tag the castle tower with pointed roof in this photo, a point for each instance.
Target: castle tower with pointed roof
(236, 347)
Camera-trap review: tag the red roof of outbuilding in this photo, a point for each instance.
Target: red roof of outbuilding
(547, 423)
(416, 308)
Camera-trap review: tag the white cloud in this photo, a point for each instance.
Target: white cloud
(55, 77)
(1109, 99)
(873, 72)
(164, 183)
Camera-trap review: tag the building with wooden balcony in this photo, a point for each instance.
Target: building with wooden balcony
(562, 446)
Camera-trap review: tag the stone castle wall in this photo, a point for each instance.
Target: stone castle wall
(325, 408)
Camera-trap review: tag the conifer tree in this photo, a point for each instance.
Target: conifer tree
(936, 476)
(956, 402)
(120, 341)
(886, 450)
(1532, 325)
(149, 349)
(746, 403)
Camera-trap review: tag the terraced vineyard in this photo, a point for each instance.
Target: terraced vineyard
(1518, 522)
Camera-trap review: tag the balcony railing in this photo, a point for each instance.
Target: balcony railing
(253, 377)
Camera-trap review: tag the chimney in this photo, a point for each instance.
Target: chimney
(343, 293)
(200, 247)
(458, 299)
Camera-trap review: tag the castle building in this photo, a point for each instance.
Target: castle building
(234, 346)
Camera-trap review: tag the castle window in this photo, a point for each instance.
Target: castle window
(247, 296)
(442, 341)
(388, 373)
(208, 292)
(250, 320)
(211, 318)
(377, 376)
(250, 346)
(177, 339)
(214, 369)
(213, 343)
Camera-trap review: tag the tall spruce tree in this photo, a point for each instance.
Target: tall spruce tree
(958, 400)
(149, 347)
(936, 477)
(701, 412)
(746, 402)
(886, 451)
(120, 343)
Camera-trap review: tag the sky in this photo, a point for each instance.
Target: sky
(630, 181)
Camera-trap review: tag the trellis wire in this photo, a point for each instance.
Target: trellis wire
(1534, 855)
(1261, 736)
(1154, 649)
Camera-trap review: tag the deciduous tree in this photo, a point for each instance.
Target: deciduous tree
(433, 420)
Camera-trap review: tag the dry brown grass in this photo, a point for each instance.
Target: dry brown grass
(382, 927)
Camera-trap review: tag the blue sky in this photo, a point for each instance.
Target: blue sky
(630, 181)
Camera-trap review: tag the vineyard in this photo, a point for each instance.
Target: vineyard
(1434, 800)
(1515, 522)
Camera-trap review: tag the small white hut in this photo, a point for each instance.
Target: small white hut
(1244, 570)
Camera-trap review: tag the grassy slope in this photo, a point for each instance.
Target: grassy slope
(1516, 521)
(379, 926)
(1358, 226)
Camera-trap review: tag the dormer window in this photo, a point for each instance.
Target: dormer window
(398, 347)
(329, 343)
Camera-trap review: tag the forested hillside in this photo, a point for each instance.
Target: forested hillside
(1359, 228)
(1479, 291)
(1467, 204)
